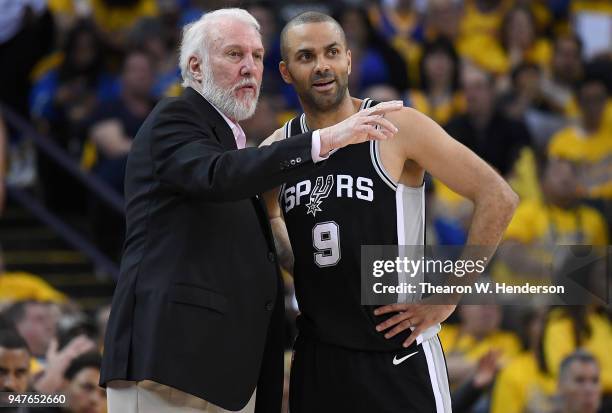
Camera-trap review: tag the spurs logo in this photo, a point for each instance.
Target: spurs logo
(319, 193)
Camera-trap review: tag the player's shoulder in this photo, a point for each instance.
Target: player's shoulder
(407, 115)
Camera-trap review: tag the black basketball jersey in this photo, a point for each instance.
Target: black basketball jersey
(346, 202)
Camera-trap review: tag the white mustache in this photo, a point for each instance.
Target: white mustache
(246, 82)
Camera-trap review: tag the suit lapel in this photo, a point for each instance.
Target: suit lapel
(225, 136)
(222, 131)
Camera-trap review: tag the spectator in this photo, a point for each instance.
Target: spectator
(152, 36)
(570, 328)
(75, 324)
(484, 129)
(516, 42)
(111, 131)
(539, 226)
(470, 396)
(61, 100)
(588, 145)
(115, 123)
(565, 73)
(440, 99)
(80, 385)
(579, 387)
(520, 41)
(479, 30)
(443, 19)
(527, 102)
(58, 359)
(63, 97)
(82, 390)
(524, 385)
(373, 61)
(477, 334)
(541, 10)
(483, 17)
(170, 17)
(115, 17)
(14, 362)
(439, 76)
(524, 95)
(36, 323)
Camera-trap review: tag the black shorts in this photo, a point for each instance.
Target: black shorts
(331, 379)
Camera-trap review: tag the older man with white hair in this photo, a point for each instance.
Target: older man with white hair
(196, 319)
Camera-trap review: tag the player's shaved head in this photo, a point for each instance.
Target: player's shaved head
(307, 18)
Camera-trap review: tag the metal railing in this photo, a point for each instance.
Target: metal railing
(64, 161)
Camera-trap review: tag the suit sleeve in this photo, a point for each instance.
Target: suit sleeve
(189, 159)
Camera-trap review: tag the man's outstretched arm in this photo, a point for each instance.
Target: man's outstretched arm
(190, 160)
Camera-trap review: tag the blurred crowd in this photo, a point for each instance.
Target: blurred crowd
(525, 84)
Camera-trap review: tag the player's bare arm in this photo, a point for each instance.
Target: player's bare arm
(421, 144)
(279, 230)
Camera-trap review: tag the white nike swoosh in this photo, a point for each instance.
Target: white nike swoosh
(397, 361)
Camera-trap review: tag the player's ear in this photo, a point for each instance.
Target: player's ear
(284, 71)
(348, 56)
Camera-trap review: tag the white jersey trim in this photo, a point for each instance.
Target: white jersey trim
(378, 167)
(436, 367)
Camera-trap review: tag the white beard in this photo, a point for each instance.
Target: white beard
(226, 101)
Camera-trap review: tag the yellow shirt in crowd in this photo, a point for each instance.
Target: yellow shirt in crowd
(559, 342)
(535, 223)
(477, 23)
(521, 386)
(592, 156)
(488, 53)
(441, 113)
(114, 19)
(478, 31)
(541, 227)
(473, 349)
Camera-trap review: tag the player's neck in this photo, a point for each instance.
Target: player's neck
(316, 119)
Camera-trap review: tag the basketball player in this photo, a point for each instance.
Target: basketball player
(367, 194)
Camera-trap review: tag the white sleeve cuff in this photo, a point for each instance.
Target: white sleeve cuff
(316, 148)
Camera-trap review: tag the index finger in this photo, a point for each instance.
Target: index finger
(392, 308)
(386, 107)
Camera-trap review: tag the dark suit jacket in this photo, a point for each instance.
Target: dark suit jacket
(198, 305)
